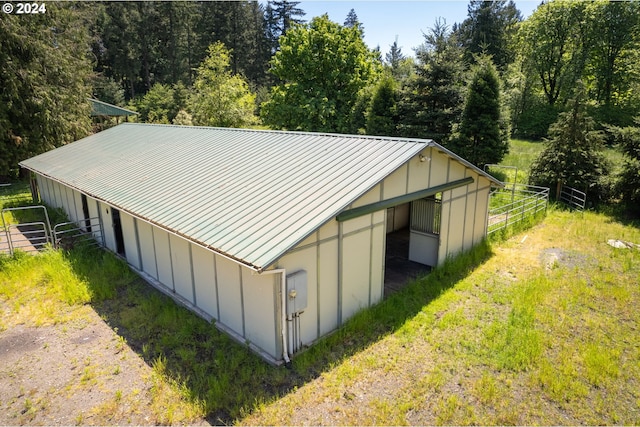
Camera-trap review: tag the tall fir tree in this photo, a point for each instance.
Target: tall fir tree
(45, 80)
(482, 136)
(489, 29)
(433, 100)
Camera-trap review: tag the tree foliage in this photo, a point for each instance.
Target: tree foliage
(628, 184)
(489, 29)
(482, 136)
(45, 78)
(322, 67)
(221, 98)
(432, 101)
(573, 153)
(382, 113)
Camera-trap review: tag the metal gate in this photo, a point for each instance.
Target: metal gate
(26, 236)
(66, 235)
(572, 197)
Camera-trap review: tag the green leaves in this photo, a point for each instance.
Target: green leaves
(322, 66)
(221, 98)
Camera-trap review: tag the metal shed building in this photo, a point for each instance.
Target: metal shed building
(278, 237)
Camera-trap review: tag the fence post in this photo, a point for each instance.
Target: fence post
(558, 189)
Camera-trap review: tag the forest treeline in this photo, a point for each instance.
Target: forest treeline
(470, 86)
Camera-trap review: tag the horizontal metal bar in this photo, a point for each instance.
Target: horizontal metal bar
(406, 198)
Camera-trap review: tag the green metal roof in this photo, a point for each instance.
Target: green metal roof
(99, 108)
(250, 195)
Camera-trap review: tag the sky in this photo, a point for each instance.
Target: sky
(384, 20)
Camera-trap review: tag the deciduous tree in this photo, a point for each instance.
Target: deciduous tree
(322, 68)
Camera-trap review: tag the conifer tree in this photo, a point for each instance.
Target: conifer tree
(482, 136)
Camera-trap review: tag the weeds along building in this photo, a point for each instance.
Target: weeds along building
(278, 237)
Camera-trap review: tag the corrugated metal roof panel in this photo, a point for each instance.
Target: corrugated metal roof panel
(251, 195)
(99, 108)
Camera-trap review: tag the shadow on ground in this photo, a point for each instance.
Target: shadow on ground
(223, 375)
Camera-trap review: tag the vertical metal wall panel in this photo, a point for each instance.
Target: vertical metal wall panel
(370, 196)
(355, 278)
(130, 240)
(438, 171)
(445, 208)
(469, 232)
(228, 278)
(329, 229)
(328, 269)
(395, 184)
(147, 249)
(356, 223)
(42, 187)
(305, 259)
(78, 203)
(69, 203)
(204, 275)
(482, 209)
(107, 223)
(259, 310)
(162, 248)
(418, 173)
(181, 264)
(377, 262)
(455, 237)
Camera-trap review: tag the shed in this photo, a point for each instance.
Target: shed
(278, 237)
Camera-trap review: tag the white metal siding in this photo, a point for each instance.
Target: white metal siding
(163, 257)
(147, 249)
(259, 294)
(181, 265)
(377, 260)
(328, 286)
(204, 275)
(228, 277)
(355, 272)
(107, 225)
(130, 240)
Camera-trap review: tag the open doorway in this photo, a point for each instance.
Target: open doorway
(399, 269)
(117, 231)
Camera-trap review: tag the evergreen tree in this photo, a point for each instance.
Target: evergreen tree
(352, 21)
(628, 184)
(573, 152)
(45, 80)
(482, 136)
(394, 58)
(382, 114)
(489, 28)
(432, 101)
(280, 16)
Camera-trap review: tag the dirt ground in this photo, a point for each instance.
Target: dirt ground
(82, 374)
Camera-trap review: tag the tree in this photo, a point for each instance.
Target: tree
(482, 136)
(221, 98)
(394, 58)
(432, 101)
(162, 103)
(280, 16)
(572, 153)
(352, 21)
(45, 79)
(489, 29)
(628, 182)
(322, 68)
(553, 42)
(382, 114)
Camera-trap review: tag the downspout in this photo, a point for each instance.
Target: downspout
(283, 313)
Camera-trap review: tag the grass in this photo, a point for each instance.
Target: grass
(498, 335)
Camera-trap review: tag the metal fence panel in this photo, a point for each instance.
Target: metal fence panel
(574, 198)
(515, 204)
(66, 235)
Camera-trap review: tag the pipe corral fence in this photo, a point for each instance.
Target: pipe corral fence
(515, 203)
(35, 235)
